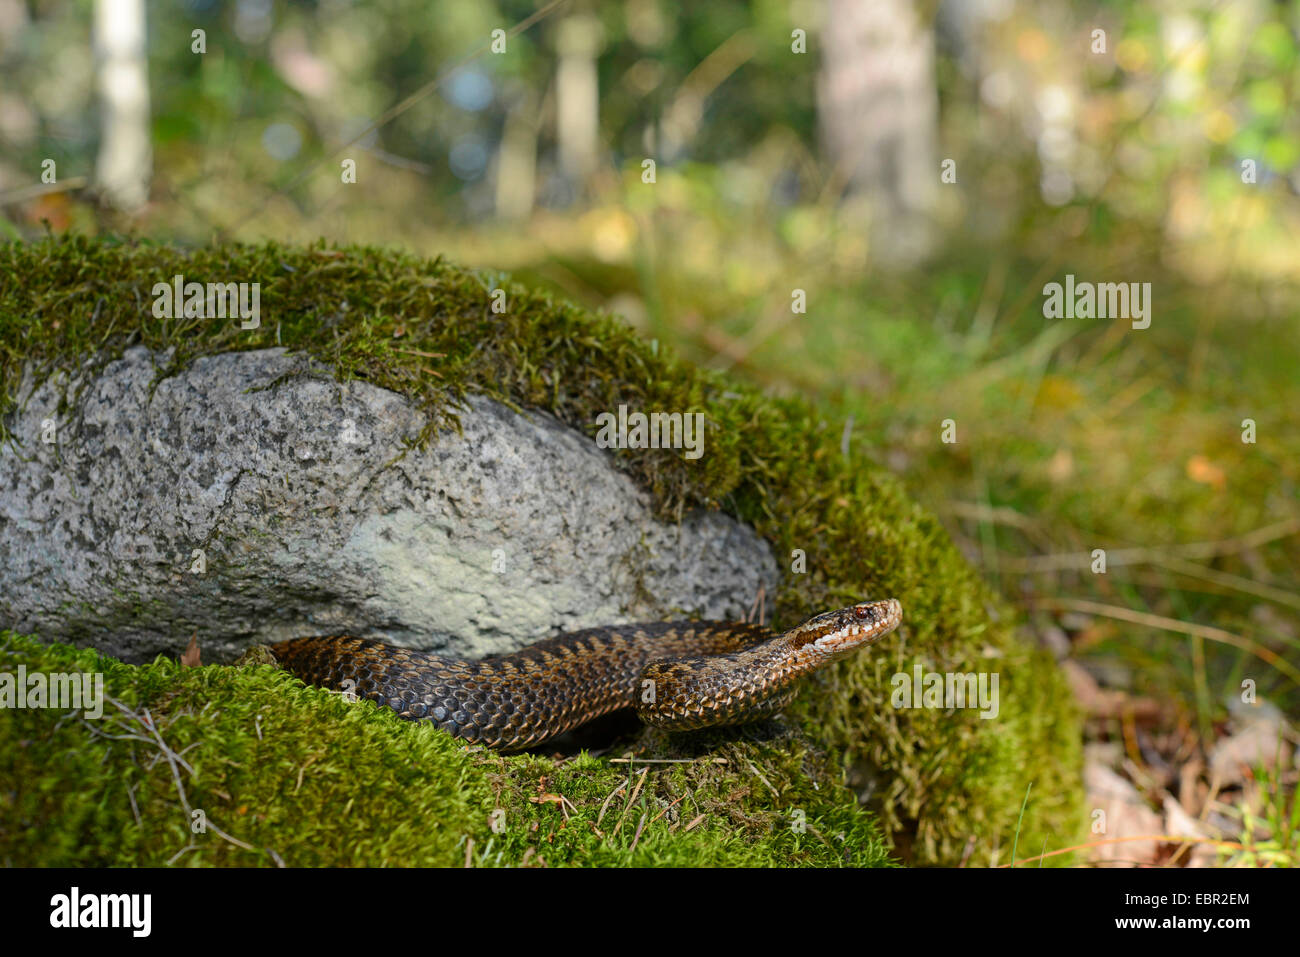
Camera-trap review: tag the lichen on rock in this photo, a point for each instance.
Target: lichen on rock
(250, 497)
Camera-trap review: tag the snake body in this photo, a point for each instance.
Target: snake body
(677, 675)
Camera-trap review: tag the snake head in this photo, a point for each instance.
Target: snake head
(835, 634)
(702, 691)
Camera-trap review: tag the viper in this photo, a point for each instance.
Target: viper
(676, 675)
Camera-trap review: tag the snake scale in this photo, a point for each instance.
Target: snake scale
(677, 675)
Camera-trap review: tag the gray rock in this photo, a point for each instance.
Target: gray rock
(251, 498)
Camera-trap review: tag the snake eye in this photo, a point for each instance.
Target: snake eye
(861, 611)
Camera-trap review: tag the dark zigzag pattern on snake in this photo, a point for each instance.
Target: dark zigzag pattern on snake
(677, 675)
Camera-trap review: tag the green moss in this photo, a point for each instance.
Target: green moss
(947, 785)
(303, 777)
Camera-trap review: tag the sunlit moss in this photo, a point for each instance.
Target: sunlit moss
(302, 777)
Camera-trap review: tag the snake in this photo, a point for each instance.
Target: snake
(678, 676)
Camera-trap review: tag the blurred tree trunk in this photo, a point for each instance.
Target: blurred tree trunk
(878, 112)
(516, 186)
(577, 98)
(125, 162)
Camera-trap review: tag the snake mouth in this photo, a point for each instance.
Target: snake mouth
(846, 629)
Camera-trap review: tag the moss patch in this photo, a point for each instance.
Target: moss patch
(948, 785)
(283, 773)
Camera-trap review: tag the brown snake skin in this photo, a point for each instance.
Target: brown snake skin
(677, 675)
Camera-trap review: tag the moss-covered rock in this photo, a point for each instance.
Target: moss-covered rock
(348, 783)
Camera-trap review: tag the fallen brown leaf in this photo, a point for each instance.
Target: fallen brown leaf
(190, 656)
